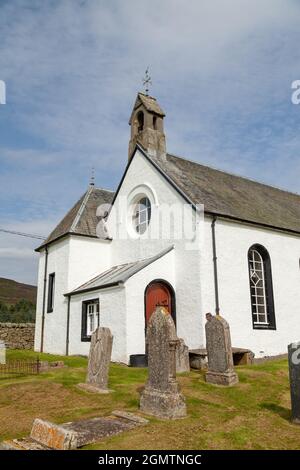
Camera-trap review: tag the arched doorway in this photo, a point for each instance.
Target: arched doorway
(159, 292)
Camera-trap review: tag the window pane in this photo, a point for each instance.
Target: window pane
(257, 286)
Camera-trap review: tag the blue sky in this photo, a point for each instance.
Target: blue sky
(222, 71)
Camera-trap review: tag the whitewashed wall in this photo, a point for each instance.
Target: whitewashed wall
(88, 258)
(233, 242)
(112, 315)
(55, 322)
(39, 302)
(77, 259)
(144, 178)
(74, 260)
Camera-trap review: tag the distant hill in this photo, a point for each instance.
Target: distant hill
(12, 292)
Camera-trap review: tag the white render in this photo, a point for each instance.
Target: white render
(188, 267)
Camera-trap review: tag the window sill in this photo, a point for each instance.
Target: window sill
(263, 327)
(85, 339)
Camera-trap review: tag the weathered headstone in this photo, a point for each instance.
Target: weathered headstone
(161, 396)
(219, 352)
(294, 370)
(45, 435)
(99, 360)
(182, 357)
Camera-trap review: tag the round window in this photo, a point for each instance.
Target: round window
(141, 215)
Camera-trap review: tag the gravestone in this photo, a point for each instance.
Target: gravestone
(219, 352)
(161, 396)
(182, 357)
(294, 371)
(99, 360)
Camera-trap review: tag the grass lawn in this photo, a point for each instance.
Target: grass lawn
(252, 415)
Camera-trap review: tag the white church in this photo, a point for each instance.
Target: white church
(174, 233)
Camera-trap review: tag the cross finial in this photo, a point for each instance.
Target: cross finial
(147, 81)
(92, 180)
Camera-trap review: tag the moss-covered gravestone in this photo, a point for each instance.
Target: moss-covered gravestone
(219, 352)
(161, 396)
(99, 361)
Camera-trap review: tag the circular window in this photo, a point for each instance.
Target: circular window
(141, 215)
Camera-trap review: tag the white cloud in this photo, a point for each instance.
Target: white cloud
(221, 70)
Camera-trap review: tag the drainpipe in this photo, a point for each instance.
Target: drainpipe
(44, 299)
(68, 326)
(215, 261)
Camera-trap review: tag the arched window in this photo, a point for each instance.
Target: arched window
(142, 215)
(140, 119)
(261, 288)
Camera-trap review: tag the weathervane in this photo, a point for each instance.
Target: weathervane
(92, 180)
(147, 81)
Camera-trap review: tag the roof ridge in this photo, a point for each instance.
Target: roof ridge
(81, 209)
(236, 175)
(104, 189)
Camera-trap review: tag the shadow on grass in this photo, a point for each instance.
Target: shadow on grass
(284, 413)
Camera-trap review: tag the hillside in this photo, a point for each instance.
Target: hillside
(12, 292)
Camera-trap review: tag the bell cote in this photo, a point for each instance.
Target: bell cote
(147, 126)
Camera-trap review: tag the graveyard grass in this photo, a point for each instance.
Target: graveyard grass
(251, 415)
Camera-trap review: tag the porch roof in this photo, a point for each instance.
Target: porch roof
(117, 274)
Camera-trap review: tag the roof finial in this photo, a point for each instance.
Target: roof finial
(147, 81)
(92, 180)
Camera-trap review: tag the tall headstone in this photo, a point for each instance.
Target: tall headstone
(182, 357)
(99, 361)
(219, 352)
(161, 396)
(294, 370)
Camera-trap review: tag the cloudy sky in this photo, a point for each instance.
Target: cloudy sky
(222, 71)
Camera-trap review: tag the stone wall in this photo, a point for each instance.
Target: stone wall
(17, 335)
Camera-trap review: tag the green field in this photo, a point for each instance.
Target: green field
(255, 414)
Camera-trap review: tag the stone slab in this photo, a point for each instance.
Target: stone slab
(53, 435)
(25, 443)
(92, 430)
(92, 388)
(75, 434)
(130, 416)
(182, 357)
(221, 378)
(163, 405)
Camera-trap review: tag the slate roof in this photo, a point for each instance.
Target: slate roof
(118, 274)
(81, 219)
(232, 196)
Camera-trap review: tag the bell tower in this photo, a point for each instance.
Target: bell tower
(147, 126)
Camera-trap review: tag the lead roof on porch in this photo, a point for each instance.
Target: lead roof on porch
(118, 274)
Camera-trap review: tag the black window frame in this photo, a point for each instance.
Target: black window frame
(268, 288)
(51, 292)
(84, 336)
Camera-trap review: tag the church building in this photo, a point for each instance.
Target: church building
(175, 233)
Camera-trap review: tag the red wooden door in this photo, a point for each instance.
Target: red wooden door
(157, 294)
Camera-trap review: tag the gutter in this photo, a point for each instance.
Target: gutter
(44, 299)
(215, 263)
